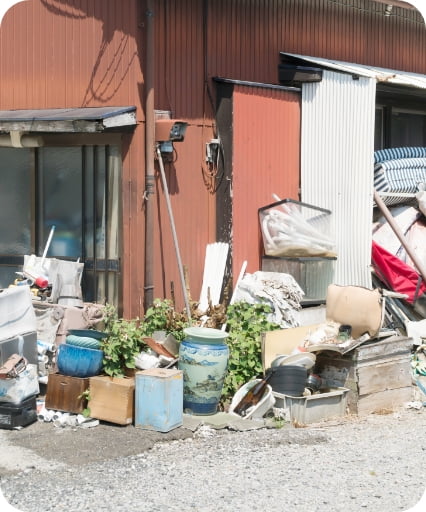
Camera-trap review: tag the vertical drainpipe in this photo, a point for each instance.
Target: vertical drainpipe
(149, 156)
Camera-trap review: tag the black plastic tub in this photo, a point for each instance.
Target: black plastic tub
(18, 415)
(288, 379)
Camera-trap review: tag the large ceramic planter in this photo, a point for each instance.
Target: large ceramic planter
(203, 358)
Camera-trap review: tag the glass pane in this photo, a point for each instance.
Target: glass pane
(378, 130)
(89, 213)
(100, 185)
(15, 200)
(408, 129)
(114, 194)
(62, 206)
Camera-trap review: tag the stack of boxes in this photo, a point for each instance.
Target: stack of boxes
(18, 335)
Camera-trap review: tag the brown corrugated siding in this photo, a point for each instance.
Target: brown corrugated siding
(57, 53)
(245, 37)
(74, 53)
(266, 160)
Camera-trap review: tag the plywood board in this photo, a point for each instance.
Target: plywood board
(395, 345)
(282, 341)
(390, 399)
(384, 376)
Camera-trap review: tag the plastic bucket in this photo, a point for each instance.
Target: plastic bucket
(288, 379)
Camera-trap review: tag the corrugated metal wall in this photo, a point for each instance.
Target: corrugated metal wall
(77, 53)
(71, 53)
(266, 154)
(245, 36)
(337, 165)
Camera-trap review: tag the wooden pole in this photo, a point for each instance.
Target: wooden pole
(388, 216)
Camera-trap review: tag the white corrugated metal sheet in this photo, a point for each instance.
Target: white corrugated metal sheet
(390, 76)
(337, 165)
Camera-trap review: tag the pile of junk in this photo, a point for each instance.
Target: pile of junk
(39, 311)
(338, 349)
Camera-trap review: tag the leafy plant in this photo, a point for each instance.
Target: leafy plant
(246, 323)
(86, 396)
(123, 342)
(161, 316)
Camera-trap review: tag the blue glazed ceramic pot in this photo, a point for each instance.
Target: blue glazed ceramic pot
(77, 361)
(203, 358)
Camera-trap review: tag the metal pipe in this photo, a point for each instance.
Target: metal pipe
(175, 240)
(388, 216)
(149, 157)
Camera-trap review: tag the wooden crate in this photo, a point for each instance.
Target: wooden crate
(112, 399)
(64, 393)
(378, 374)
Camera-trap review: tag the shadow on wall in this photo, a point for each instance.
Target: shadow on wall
(109, 70)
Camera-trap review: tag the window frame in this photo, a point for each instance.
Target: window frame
(95, 268)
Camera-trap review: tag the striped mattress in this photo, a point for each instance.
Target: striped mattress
(399, 171)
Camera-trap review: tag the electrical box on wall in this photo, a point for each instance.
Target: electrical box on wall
(170, 130)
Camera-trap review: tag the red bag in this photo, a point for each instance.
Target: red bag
(396, 274)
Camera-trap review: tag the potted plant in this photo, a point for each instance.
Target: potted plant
(112, 395)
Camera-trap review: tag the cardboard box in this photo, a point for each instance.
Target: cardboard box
(112, 399)
(64, 393)
(282, 341)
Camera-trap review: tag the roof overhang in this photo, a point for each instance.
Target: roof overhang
(381, 75)
(68, 120)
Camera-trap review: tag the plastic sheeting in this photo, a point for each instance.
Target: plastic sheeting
(17, 314)
(397, 275)
(279, 290)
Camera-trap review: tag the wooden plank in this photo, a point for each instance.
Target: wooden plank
(395, 358)
(395, 345)
(390, 399)
(384, 376)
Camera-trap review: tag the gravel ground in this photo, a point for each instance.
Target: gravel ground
(374, 463)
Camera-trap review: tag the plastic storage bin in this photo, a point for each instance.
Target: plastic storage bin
(18, 415)
(313, 275)
(25, 345)
(292, 228)
(314, 408)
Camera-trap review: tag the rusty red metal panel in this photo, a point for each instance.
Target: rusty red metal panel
(74, 53)
(193, 210)
(245, 37)
(266, 161)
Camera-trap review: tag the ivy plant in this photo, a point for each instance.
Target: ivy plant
(246, 322)
(123, 342)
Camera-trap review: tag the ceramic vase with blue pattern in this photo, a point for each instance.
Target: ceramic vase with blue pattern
(203, 358)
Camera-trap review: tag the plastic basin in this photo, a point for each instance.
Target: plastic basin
(77, 361)
(261, 408)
